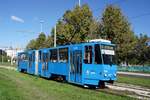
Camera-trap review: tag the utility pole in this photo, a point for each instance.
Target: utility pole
(12, 57)
(2, 56)
(41, 23)
(55, 36)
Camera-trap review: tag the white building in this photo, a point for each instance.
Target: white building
(13, 52)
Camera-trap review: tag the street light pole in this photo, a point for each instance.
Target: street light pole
(2, 56)
(79, 3)
(55, 36)
(41, 23)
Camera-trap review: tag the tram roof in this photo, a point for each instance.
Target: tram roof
(80, 44)
(70, 45)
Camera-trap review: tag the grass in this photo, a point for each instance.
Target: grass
(19, 86)
(134, 80)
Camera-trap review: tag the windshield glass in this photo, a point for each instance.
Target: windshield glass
(104, 54)
(108, 54)
(23, 57)
(97, 53)
(108, 59)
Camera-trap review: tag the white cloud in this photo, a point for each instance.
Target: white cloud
(17, 19)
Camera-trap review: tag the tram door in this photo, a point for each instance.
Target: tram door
(31, 62)
(31, 59)
(44, 61)
(76, 66)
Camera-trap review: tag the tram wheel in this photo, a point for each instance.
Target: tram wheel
(101, 84)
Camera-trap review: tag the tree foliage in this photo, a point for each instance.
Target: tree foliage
(116, 28)
(75, 25)
(48, 42)
(40, 41)
(31, 45)
(78, 25)
(142, 50)
(37, 43)
(3, 56)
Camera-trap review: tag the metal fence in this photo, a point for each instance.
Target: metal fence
(134, 68)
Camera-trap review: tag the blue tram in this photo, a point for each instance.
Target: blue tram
(90, 64)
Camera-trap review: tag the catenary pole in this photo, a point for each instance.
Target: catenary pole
(55, 36)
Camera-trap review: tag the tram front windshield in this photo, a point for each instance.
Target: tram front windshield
(108, 54)
(104, 54)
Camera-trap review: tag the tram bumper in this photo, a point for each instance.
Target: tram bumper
(95, 78)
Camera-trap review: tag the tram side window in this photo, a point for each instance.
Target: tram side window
(63, 55)
(33, 57)
(98, 59)
(45, 57)
(30, 57)
(88, 55)
(40, 56)
(23, 57)
(53, 56)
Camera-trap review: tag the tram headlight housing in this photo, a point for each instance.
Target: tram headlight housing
(115, 74)
(105, 73)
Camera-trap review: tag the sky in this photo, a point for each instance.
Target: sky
(20, 19)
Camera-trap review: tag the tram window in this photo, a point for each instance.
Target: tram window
(98, 59)
(30, 60)
(30, 57)
(53, 56)
(40, 56)
(33, 56)
(45, 57)
(107, 47)
(63, 55)
(88, 55)
(71, 60)
(23, 57)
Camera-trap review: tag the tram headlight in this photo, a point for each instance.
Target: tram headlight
(105, 75)
(115, 75)
(87, 72)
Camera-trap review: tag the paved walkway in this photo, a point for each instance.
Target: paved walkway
(8, 67)
(141, 92)
(134, 74)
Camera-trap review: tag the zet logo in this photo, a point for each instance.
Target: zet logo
(87, 72)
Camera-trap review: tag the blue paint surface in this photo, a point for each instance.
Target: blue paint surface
(74, 70)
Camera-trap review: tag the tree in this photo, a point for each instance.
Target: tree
(141, 50)
(94, 30)
(37, 43)
(31, 45)
(116, 28)
(75, 25)
(48, 42)
(40, 41)
(3, 55)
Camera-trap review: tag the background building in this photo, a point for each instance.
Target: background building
(9, 54)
